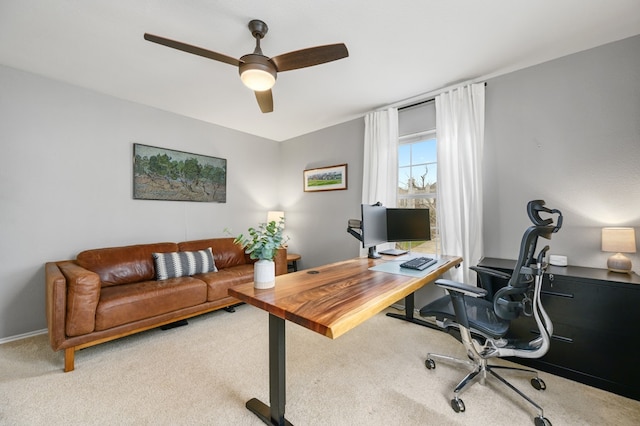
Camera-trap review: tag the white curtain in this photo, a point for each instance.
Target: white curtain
(460, 127)
(380, 169)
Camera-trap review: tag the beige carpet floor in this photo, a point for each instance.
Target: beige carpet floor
(203, 374)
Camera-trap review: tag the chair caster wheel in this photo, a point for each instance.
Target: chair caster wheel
(538, 384)
(430, 364)
(458, 405)
(541, 421)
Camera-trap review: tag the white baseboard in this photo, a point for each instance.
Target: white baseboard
(22, 336)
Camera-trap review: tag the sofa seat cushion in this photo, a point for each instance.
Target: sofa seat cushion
(219, 282)
(126, 303)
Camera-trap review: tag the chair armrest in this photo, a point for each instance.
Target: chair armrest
(465, 289)
(492, 272)
(457, 292)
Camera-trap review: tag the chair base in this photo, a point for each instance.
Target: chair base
(480, 370)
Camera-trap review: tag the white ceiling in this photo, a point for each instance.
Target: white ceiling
(397, 50)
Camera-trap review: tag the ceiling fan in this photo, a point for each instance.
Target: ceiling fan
(259, 72)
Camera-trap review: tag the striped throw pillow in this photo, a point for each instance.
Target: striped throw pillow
(183, 263)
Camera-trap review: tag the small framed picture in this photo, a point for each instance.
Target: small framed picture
(330, 178)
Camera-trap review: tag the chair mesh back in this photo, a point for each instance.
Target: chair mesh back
(507, 302)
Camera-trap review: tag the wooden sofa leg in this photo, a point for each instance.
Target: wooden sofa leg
(69, 355)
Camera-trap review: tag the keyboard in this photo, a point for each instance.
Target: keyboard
(418, 263)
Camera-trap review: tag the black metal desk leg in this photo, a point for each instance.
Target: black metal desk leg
(409, 306)
(274, 415)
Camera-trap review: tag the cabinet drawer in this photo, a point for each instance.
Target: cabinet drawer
(559, 300)
(595, 314)
(590, 304)
(608, 356)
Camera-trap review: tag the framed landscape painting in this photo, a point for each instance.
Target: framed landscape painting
(165, 174)
(330, 178)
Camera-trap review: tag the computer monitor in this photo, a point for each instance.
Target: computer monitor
(408, 225)
(380, 225)
(373, 227)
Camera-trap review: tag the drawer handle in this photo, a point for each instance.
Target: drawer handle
(554, 336)
(555, 293)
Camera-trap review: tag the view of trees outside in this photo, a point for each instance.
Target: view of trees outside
(417, 186)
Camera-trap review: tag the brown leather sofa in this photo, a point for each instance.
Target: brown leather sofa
(108, 293)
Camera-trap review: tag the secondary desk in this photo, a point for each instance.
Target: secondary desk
(330, 300)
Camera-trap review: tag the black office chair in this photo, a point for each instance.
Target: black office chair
(483, 324)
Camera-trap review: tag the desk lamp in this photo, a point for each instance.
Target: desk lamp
(275, 216)
(618, 241)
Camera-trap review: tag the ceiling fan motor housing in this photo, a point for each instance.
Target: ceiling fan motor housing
(257, 72)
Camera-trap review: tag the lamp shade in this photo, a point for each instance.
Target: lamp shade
(274, 216)
(619, 240)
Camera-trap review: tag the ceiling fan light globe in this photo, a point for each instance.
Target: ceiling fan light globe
(258, 80)
(256, 72)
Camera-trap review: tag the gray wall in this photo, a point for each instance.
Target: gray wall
(66, 183)
(566, 131)
(317, 221)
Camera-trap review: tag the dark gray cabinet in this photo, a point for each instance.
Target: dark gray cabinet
(596, 320)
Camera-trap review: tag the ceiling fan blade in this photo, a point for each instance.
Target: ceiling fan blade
(265, 100)
(192, 49)
(310, 56)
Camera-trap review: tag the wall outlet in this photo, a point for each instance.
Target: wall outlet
(557, 260)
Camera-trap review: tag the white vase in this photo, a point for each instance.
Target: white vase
(264, 274)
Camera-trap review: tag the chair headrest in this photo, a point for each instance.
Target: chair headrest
(534, 207)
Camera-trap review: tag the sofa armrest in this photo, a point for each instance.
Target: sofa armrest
(281, 261)
(55, 304)
(83, 294)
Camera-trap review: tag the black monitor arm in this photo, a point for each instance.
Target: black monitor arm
(352, 230)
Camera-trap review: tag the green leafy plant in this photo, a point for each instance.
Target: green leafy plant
(263, 242)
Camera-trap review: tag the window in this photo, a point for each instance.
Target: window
(418, 169)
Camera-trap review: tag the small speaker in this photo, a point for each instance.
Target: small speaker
(557, 260)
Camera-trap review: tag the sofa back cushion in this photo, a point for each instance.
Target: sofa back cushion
(124, 265)
(225, 252)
